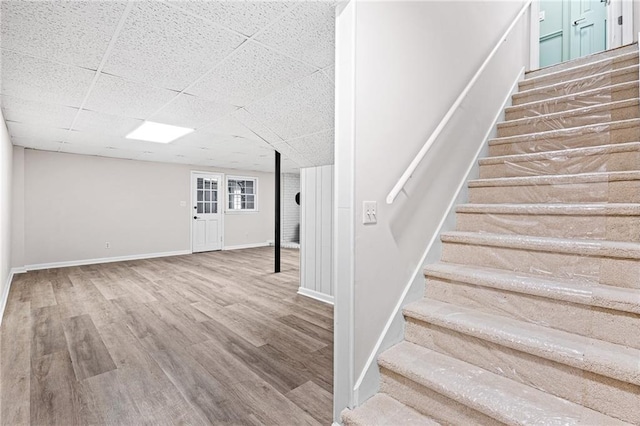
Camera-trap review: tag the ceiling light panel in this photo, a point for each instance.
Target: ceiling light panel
(158, 132)
(117, 96)
(166, 47)
(34, 112)
(71, 32)
(251, 73)
(37, 80)
(191, 111)
(302, 108)
(246, 17)
(306, 33)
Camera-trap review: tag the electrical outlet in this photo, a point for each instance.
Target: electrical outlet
(369, 212)
(107, 245)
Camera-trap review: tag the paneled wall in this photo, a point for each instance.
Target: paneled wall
(316, 231)
(290, 209)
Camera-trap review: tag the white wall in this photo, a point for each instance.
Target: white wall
(73, 204)
(316, 232)
(290, 209)
(17, 211)
(411, 60)
(6, 174)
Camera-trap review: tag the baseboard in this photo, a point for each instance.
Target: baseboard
(7, 288)
(367, 384)
(246, 246)
(316, 295)
(67, 264)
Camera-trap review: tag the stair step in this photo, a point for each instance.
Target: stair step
(560, 304)
(552, 361)
(497, 397)
(587, 69)
(614, 222)
(613, 187)
(615, 157)
(553, 140)
(600, 113)
(597, 261)
(578, 85)
(383, 410)
(583, 60)
(613, 93)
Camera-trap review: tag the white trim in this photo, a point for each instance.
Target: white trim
(450, 212)
(316, 295)
(7, 288)
(246, 246)
(534, 38)
(69, 263)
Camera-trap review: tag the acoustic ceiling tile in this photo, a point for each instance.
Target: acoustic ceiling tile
(44, 81)
(292, 154)
(317, 148)
(251, 73)
(257, 127)
(307, 32)
(93, 138)
(38, 132)
(97, 122)
(166, 47)
(243, 16)
(81, 149)
(117, 96)
(191, 111)
(299, 109)
(26, 111)
(330, 72)
(230, 126)
(71, 32)
(44, 145)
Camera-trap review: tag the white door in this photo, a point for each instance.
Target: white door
(206, 193)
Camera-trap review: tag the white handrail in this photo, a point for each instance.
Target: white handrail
(423, 152)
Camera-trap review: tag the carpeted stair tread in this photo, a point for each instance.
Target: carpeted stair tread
(604, 358)
(500, 398)
(383, 410)
(623, 50)
(580, 247)
(596, 209)
(557, 179)
(573, 291)
(562, 153)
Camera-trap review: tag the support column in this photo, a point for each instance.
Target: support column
(278, 208)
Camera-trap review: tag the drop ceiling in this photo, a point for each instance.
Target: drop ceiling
(250, 77)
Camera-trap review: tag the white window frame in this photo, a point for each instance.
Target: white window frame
(228, 194)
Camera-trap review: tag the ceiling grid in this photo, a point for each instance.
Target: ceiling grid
(249, 76)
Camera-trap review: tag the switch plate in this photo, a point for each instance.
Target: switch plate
(369, 212)
(541, 16)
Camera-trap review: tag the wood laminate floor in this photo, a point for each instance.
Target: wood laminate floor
(211, 338)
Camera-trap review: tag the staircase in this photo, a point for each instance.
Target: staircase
(533, 314)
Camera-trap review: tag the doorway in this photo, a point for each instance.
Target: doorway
(570, 29)
(207, 219)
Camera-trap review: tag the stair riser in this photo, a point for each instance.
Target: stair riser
(574, 87)
(613, 326)
(535, 124)
(576, 101)
(608, 162)
(597, 392)
(602, 270)
(582, 61)
(613, 228)
(593, 192)
(573, 74)
(430, 403)
(577, 138)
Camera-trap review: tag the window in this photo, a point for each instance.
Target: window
(242, 193)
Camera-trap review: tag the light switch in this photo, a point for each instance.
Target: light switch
(541, 16)
(369, 212)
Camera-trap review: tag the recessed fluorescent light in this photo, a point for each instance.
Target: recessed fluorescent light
(158, 132)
